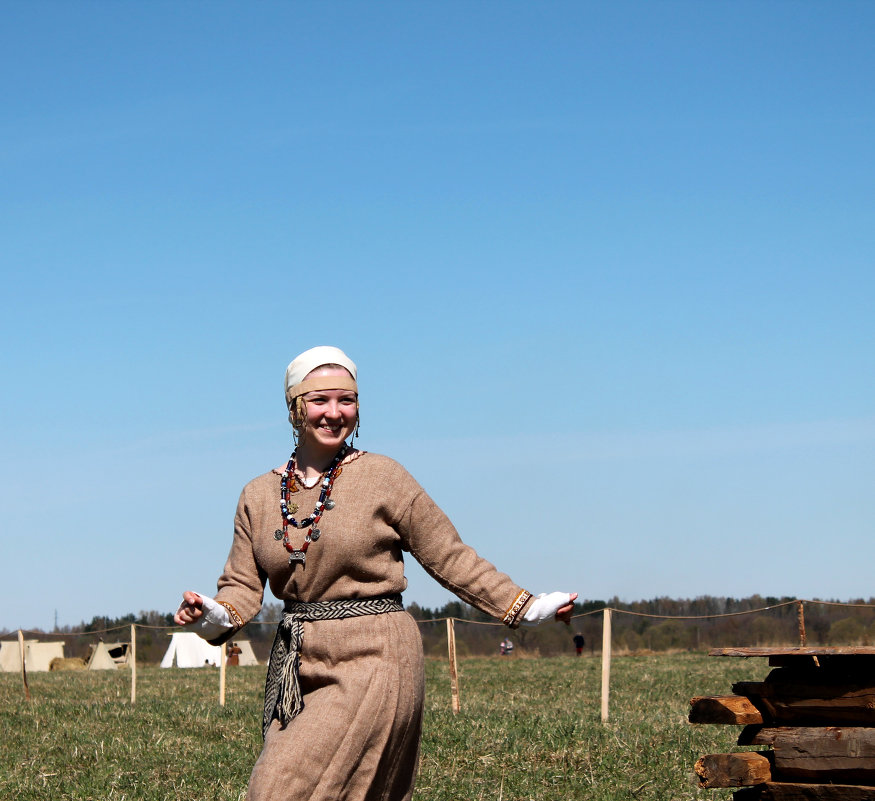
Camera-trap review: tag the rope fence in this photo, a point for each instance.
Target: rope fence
(25, 652)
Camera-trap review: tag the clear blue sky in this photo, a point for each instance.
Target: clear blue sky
(607, 269)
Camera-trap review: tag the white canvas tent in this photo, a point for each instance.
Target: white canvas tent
(187, 650)
(100, 658)
(37, 655)
(10, 655)
(246, 655)
(119, 651)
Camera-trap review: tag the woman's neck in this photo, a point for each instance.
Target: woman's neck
(311, 461)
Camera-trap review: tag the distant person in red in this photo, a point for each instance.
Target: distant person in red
(579, 642)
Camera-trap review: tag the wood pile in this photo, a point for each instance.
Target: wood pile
(815, 712)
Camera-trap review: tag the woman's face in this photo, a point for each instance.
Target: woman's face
(331, 413)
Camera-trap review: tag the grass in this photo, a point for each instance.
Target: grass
(529, 729)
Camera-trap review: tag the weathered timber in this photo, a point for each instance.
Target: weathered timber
(862, 666)
(796, 650)
(732, 709)
(812, 696)
(818, 716)
(831, 674)
(860, 658)
(789, 791)
(821, 661)
(732, 770)
(841, 754)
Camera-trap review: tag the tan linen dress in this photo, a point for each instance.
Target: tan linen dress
(362, 678)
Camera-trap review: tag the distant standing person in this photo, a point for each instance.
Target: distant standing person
(328, 529)
(506, 647)
(579, 642)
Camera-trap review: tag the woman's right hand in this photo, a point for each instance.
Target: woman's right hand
(563, 614)
(190, 610)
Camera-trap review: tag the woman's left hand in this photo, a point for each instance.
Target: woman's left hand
(564, 612)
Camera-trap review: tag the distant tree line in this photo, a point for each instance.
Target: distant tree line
(659, 625)
(656, 625)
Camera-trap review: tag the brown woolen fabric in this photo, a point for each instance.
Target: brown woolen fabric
(358, 734)
(362, 678)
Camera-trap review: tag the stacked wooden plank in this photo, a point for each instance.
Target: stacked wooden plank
(816, 713)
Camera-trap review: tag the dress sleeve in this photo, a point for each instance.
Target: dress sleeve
(241, 585)
(434, 542)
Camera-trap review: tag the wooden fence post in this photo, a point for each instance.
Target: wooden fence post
(21, 650)
(454, 671)
(223, 662)
(132, 658)
(606, 663)
(800, 617)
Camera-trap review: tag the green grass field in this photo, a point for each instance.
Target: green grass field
(529, 729)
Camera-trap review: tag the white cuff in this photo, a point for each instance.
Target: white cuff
(545, 606)
(214, 622)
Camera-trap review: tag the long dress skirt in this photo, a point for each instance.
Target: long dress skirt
(357, 738)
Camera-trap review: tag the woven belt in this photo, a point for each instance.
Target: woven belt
(282, 688)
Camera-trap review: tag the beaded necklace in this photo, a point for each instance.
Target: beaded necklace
(299, 555)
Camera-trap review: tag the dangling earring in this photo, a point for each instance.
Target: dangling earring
(297, 419)
(294, 424)
(358, 421)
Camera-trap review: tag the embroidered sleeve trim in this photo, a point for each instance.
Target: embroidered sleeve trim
(510, 617)
(234, 615)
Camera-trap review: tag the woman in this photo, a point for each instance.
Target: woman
(345, 684)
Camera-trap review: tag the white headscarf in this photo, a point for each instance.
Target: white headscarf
(308, 361)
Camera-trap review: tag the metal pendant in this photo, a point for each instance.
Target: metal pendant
(278, 534)
(297, 556)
